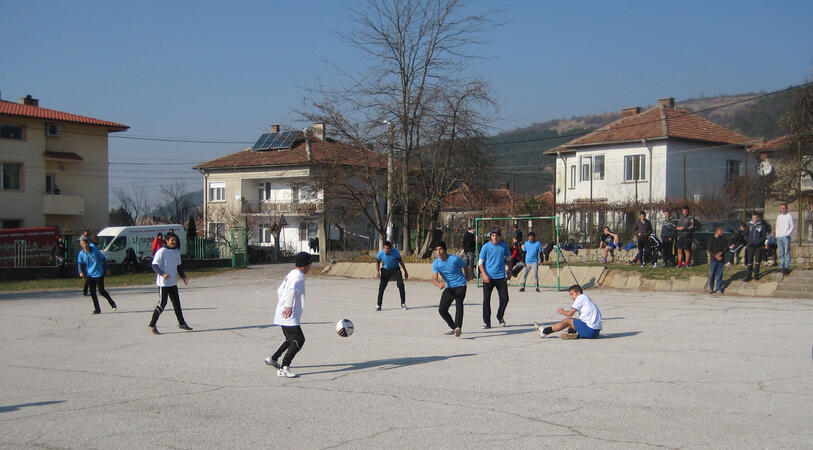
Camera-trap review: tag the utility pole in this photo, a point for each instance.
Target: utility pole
(745, 189)
(802, 170)
(390, 158)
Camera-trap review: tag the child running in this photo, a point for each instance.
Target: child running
(167, 266)
(291, 295)
(586, 326)
(92, 266)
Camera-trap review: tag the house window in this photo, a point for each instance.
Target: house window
(11, 132)
(10, 174)
(635, 167)
(294, 195)
(11, 223)
(50, 183)
(598, 167)
(572, 177)
(216, 230)
(586, 169)
(217, 191)
(265, 234)
(732, 170)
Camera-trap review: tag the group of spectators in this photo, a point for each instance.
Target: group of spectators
(674, 245)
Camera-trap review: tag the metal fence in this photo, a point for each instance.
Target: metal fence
(22, 253)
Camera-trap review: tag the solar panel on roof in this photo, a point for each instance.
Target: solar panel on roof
(276, 141)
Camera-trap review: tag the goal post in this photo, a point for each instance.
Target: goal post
(546, 231)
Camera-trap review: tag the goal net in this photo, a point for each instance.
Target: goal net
(546, 231)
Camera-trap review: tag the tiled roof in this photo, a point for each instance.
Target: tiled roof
(35, 112)
(659, 122)
(772, 145)
(62, 155)
(321, 152)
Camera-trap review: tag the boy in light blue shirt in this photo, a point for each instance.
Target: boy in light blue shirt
(533, 249)
(390, 259)
(493, 257)
(455, 273)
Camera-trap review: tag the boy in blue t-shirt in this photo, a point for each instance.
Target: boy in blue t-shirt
(92, 266)
(493, 257)
(533, 249)
(455, 273)
(390, 259)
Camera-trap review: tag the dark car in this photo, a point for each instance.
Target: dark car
(706, 230)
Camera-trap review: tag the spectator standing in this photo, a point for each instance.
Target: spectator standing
(517, 257)
(784, 228)
(517, 232)
(157, 244)
(668, 233)
(717, 246)
(642, 230)
(755, 233)
(737, 244)
(683, 239)
(58, 254)
(469, 248)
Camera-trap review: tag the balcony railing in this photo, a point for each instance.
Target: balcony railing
(63, 204)
(271, 207)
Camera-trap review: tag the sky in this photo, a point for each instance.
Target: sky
(214, 70)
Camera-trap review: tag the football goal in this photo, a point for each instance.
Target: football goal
(546, 231)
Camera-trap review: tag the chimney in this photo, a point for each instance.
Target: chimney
(275, 128)
(29, 100)
(307, 133)
(319, 130)
(668, 102)
(631, 111)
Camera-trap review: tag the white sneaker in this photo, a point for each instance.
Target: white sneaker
(285, 372)
(655, 265)
(539, 330)
(272, 362)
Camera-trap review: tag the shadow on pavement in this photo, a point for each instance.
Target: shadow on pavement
(10, 408)
(392, 363)
(617, 335)
(247, 327)
(495, 331)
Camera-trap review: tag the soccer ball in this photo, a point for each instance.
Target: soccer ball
(344, 328)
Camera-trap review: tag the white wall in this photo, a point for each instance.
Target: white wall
(705, 169)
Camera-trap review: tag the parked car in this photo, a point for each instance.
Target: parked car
(706, 230)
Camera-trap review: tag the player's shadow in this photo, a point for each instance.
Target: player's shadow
(383, 364)
(603, 335)
(10, 408)
(499, 331)
(247, 327)
(151, 310)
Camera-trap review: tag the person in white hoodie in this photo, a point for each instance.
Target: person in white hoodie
(291, 303)
(784, 228)
(167, 266)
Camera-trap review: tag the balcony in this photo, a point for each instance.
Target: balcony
(304, 208)
(63, 204)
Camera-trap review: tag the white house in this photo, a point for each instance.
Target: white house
(267, 186)
(661, 154)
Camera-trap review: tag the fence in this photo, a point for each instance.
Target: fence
(22, 253)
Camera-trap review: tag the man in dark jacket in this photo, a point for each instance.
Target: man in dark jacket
(755, 233)
(469, 249)
(642, 230)
(737, 244)
(683, 240)
(668, 232)
(717, 247)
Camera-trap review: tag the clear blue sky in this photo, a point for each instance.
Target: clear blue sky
(227, 70)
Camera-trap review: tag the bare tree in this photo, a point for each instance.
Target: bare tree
(797, 160)
(136, 202)
(417, 48)
(180, 203)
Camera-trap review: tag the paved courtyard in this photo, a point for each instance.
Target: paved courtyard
(671, 370)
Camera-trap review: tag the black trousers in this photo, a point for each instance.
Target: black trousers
(752, 253)
(668, 252)
(643, 247)
(294, 340)
(172, 293)
(386, 275)
(458, 294)
(502, 290)
(86, 289)
(93, 284)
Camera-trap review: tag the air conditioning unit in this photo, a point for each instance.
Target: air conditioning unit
(52, 130)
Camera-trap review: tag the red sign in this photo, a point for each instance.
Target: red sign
(26, 246)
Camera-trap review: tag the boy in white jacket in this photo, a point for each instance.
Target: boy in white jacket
(291, 294)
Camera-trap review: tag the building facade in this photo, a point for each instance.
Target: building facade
(53, 167)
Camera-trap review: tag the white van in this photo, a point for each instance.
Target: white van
(114, 241)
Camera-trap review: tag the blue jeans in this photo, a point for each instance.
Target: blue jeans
(716, 273)
(783, 245)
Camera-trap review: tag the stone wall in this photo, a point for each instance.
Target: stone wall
(801, 256)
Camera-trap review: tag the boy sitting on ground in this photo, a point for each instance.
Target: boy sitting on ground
(586, 326)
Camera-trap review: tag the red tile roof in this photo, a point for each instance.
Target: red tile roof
(35, 112)
(321, 152)
(659, 122)
(772, 145)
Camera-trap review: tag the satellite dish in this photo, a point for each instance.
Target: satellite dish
(764, 168)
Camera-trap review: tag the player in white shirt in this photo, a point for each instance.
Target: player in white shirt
(784, 229)
(291, 294)
(586, 326)
(167, 266)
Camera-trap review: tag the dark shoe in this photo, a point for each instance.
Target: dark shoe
(747, 279)
(378, 308)
(272, 362)
(114, 307)
(522, 289)
(154, 330)
(503, 324)
(96, 312)
(712, 292)
(485, 326)
(537, 289)
(184, 326)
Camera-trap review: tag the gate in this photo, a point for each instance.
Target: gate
(239, 247)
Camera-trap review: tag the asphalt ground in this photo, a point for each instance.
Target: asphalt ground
(670, 370)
